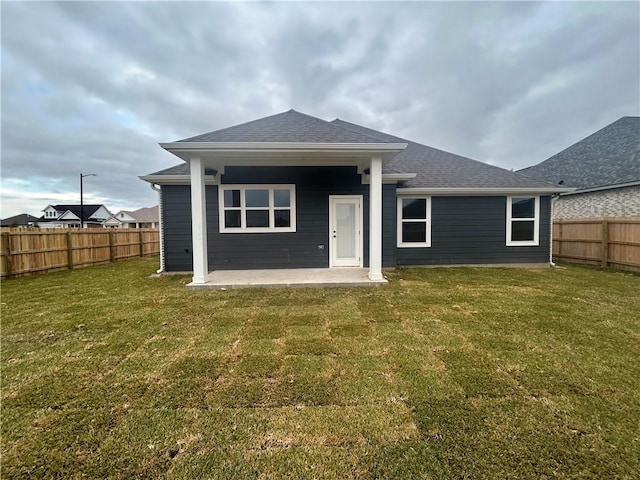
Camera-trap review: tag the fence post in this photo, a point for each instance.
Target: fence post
(605, 243)
(112, 247)
(69, 250)
(6, 240)
(141, 243)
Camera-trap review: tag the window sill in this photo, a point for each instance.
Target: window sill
(523, 244)
(414, 245)
(257, 230)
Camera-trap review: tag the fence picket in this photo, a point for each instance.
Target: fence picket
(611, 242)
(33, 250)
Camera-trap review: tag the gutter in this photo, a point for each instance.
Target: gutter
(598, 189)
(487, 191)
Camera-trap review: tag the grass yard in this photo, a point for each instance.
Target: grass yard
(446, 373)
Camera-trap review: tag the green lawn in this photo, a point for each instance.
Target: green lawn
(445, 373)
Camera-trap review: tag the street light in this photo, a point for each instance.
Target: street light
(81, 197)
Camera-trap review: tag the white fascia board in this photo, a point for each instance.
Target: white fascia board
(283, 146)
(399, 176)
(175, 179)
(598, 189)
(230, 152)
(390, 178)
(480, 191)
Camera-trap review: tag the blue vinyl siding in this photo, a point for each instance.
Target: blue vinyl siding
(231, 251)
(472, 230)
(465, 230)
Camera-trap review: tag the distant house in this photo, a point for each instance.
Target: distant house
(294, 191)
(603, 167)
(22, 220)
(68, 216)
(148, 217)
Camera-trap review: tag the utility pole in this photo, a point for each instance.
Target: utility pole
(82, 197)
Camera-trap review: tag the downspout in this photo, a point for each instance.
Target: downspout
(160, 226)
(551, 264)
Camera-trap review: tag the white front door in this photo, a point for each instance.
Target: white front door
(345, 231)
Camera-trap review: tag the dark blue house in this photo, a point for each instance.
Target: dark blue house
(294, 191)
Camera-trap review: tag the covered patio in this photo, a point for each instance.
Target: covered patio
(294, 277)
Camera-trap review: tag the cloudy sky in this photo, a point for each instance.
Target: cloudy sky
(93, 87)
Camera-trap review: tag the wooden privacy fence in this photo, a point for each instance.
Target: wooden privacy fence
(39, 250)
(602, 241)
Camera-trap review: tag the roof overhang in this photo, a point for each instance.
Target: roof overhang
(481, 191)
(213, 180)
(221, 154)
(176, 179)
(599, 189)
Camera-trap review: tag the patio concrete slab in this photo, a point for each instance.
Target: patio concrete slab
(298, 277)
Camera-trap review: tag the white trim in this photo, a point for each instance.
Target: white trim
(199, 223)
(375, 219)
(177, 179)
(389, 178)
(288, 146)
(357, 200)
(283, 153)
(400, 221)
(271, 208)
(535, 219)
(484, 191)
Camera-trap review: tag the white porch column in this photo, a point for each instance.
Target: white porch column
(198, 222)
(375, 219)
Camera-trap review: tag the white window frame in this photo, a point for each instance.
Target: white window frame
(400, 221)
(535, 219)
(243, 208)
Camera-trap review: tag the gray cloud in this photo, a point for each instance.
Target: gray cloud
(93, 87)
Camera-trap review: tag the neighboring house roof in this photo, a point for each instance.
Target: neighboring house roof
(439, 169)
(286, 127)
(610, 156)
(143, 215)
(434, 169)
(88, 212)
(22, 219)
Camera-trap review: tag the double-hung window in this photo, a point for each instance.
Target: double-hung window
(523, 221)
(257, 208)
(414, 221)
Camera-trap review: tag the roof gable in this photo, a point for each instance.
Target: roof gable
(69, 215)
(89, 211)
(610, 156)
(286, 127)
(100, 213)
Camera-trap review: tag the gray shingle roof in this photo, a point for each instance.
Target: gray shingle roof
(87, 210)
(434, 168)
(22, 219)
(288, 126)
(610, 156)
(182, 169)
(145, 214)
(439, 169)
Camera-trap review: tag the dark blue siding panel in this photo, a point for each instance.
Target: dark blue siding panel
(274, 250)
(468, 230)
